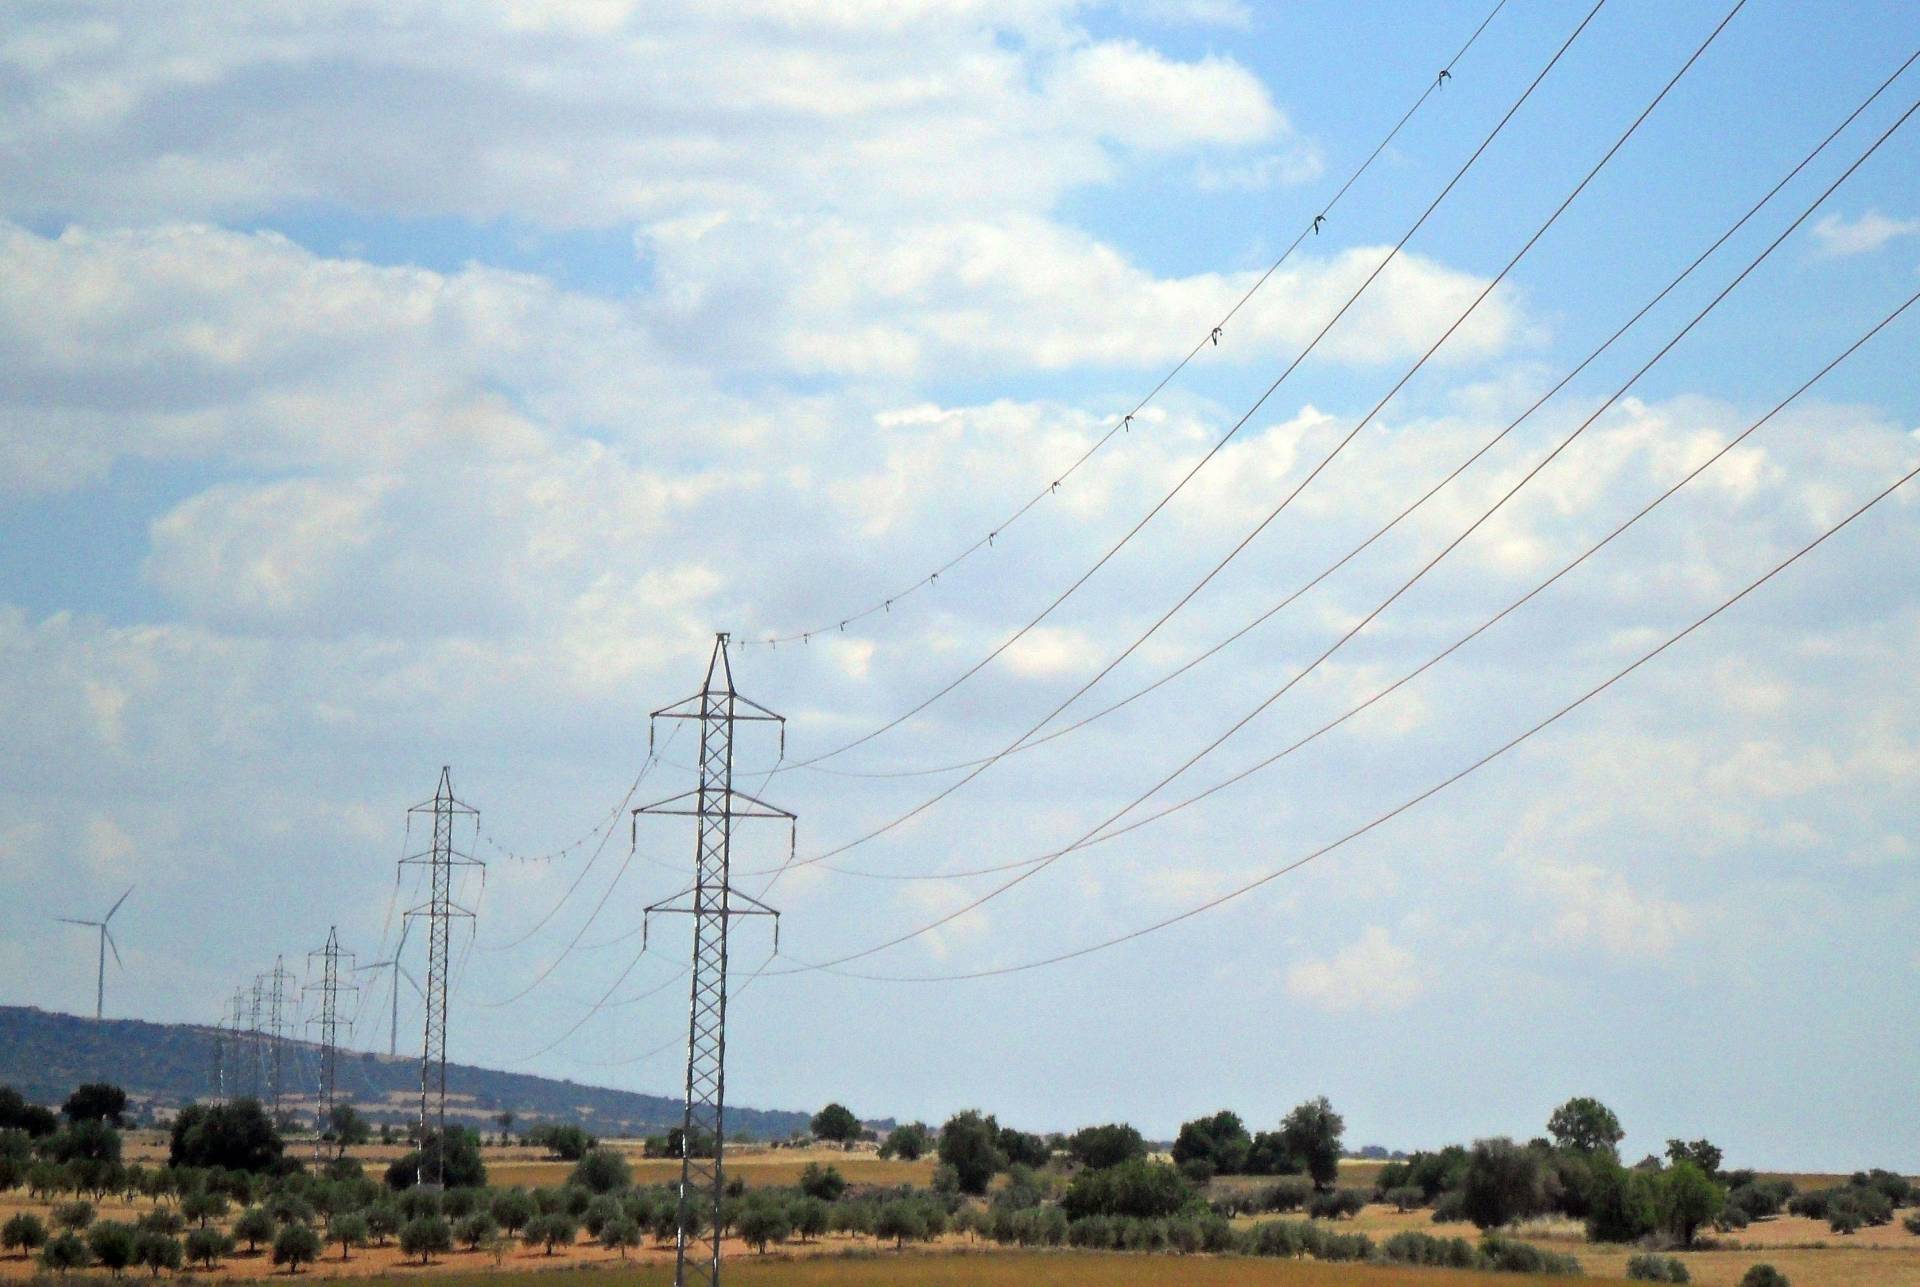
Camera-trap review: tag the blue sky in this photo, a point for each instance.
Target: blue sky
(389, 387)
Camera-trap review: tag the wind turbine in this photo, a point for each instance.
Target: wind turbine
(393, 963)
(106, 941)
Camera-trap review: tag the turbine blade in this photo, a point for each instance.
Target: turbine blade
(115, 946)
(68, 920)
(116, 905)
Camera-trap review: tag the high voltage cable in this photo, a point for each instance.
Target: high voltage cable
(1221, 443)
(1338, 447)
(1048, 860)
(1404, 806)
(1125, 422)
(1455, 473)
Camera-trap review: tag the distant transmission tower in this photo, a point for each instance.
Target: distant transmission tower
(278, 999)
(710, 902)
(330, 1024)
(218, 1086)
(439, 909)
(256, 1045)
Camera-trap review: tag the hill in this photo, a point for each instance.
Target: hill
(163, 1065)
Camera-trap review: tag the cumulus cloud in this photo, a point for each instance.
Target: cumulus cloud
(1838, 236)
(1373, 974)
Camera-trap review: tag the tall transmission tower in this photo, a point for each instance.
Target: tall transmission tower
(217, 1083)
(440, 910)
(256, 1045)
(278, 998)
(330, 1023)
(711, 901)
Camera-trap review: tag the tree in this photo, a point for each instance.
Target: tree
(1620, 1203)
(1687, 1198)
(383, 1221)
(462, 1168)
(908, 1142)
(1109, 1145)
(112, 1244)
(16, 1114)
(16, 1157)
(96, 1101)
(811, 1217)
(836, 1124)
(1138, 1188)
(602, 1170)
(204, 1205)
(901, 1219)
(158, 1251)
(346, 1127)
(1504, 1182)
(504, 1120)
(1220, 1141)
(512, 1209)
(255, 1226)
(73, 1216)
(23, 1233)
(1022, 1148)
(65, 1252)
(349, 1229)
(294, 1246)
(1311, 1133)
(1585, 1125)
(236, 1136)
(92, 1140)
(567, 1142)
(762, 1222)
(476, 1229)
(426, 1235)
(555, 1229)
(822, 1182)
(620, 1234)
(969, 1143)
(207, 1246)
(1701, 1153)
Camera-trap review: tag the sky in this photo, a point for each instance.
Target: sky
(392, 386)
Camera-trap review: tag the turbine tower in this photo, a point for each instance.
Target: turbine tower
(399, 971)
(106, 941)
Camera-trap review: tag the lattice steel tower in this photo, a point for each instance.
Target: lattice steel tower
(330, 1023)
(256, 1044)
(278, 998)
(440, 911)
(711, 901)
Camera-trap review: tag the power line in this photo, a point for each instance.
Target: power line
(1125, 422)
(1034, 870)
(1481, 451)
(1360, 424)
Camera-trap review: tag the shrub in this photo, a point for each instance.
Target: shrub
(1754, 1201)
(24, 1233)
(1732, 1218)
(1450, 1208)
(1649, 1267)
(809, 1216)
(601, 1170)
(112, 1244)
(1764, 1276)
(1411, 1247)
(1334, 1204)
(296, 1245)
(1912, 1224)
(1286, 1196)
(1505, 1255)
(823, 1182)
(1504, 1183)
(1404, 1197)
(598, 1212)
(1144, 1190)
(208, 1246)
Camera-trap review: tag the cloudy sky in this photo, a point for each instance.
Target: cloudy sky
(389, 386)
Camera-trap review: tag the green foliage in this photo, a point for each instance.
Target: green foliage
(349, 1229)
(1585, 1125)
(383, 1221)
(96, 1101)
(620, 1234)
(23, 1233)
(208, 1246)
(1412, 1247)
(1754, 1201)
(73, 1215)
(16, 1157)
(1687, 1198)
(1221, 1141)
(65, 1252)
(565, 1141)
(1764, 1276)
(235, 1136)
(836, 1124)
(969, 1143)
(1333, 1204)
(1897, 1188)
(1506, 1255)
(16, 1114)
(763, 1221)
(1700, 1153)
(1504, 1182)
(425, 1236)
(1404, 1197)
(908, 1219)
(88, 1140)
(1912, 1224)
(512, 1208)
(346, 1127)
(156, 1251)
(1022, 1148)
(823, 1182)
(476, 1228)
(1108, 1145)
(463, 1168)
(554, 1229)
(254, 1227)
(810, 1217)
(1139, 1188)
(1621, 1205)
(602, 1170)
(1310, 1135)
(113, 1244)
(296, 1245)
(909, 1142)
(1650, 1267)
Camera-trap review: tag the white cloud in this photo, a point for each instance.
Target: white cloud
(1373, 974)
(1839, 236)
(1596, 908)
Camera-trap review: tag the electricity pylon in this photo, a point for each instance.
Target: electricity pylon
(440, 910)
(256, 1044)
(277, 998)
(330, 1024)
(711, 902)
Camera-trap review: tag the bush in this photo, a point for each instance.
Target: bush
(1337, 1203)
(1404, 1197)
(23, 1233)
(1912, 1224)
(1411, 1247)
(296, 1245)
(1103, 1146)
(208, 1246)
(1286, 1196)
(235, 1137)
(1754, 1201)
(1144, 1190)
(1450, 1208)
(113, 1244)
(1505, 1255)
(601, 1170)
(1649, 1267)
(426, 1235)
(1504, 1183)
(1764, 1276)
(823, 1182)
